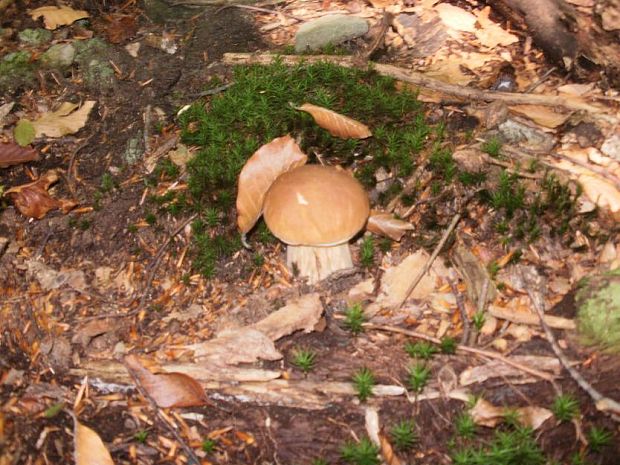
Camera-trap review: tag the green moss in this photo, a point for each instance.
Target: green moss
(598, 314)
(232, 125)
(16, 71)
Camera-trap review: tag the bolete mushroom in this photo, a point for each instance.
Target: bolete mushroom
(316, 210)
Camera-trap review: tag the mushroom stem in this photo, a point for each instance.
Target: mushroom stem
(316, 263)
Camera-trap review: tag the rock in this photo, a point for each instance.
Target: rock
(517, 133)
(93, 57)
(59, 56)
(333, 29)
(598, 311)
(34, 36)
(16, 70)
(611, 147)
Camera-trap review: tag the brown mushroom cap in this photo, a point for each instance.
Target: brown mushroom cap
(315, 205)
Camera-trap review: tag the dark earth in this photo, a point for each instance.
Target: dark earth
(38, 328)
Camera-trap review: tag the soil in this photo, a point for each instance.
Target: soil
(43, 336)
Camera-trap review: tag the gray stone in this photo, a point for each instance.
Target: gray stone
(59, 56)
(611, 147)
(34, 36)
(333, 29)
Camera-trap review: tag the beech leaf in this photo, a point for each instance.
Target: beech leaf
(64, 120)
(56, 16)
(24, 132)
(262, 168)
(386, 224)
(167, 389)
(33, 200)
(486, 414)
(336, 124)
(13, 154)
(89, 448)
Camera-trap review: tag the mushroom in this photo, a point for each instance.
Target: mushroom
(316, 210)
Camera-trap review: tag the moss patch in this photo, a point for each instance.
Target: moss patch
(231, 126)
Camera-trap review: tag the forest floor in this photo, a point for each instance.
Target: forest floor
(131, 258)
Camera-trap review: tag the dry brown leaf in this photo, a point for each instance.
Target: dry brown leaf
(495, 369)
(456, 18)
(259, 172)
(64, 120)
(491, 34)
(120, 27)
(486, 414)
(243, 345)
(544, 116)
(34, 201)
(386, 224)
(299, 314)
(89, 448)
(13, 154)
(336, 124)
(56, 16)
(602, 193)
(167, 389)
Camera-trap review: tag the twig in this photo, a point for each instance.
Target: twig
(471, 350)
(432, 258)
(542, 79)
(461, 306)
(191, 456)
(147, 129)
(419, 79)
(70, 170)
(602, 403)
(155, 263)
(214, 91)
(365, 54)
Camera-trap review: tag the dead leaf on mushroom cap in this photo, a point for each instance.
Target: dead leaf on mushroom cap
(33, 200)
(167, 389)
(13, 154)
(89, 449)
(262, 168)
(56, 16)
(386, 224)
(336, 124)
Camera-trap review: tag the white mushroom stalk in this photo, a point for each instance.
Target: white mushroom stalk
(316, 210)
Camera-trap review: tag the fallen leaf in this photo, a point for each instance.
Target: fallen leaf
(56, 16)
(262, 168)
(13, 154)
(386, 224)
(50, 279)
(456, 18)
(491, 34)
(64, 120)
(167, 389)
(542, 115)
(24, 132)
(5, 109)
(120, 27)
(336, 124)
(230, 347)
(34, 201)
(397, 279)
(495, 369)
(89, 448)
(180, 156)
(486, 414)
(604, 194)
(299, 314)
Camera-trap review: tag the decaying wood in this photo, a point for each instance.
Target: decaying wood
(419, 79)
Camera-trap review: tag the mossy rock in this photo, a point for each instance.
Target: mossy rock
(92, 56)
(598, 311)
(16, 71)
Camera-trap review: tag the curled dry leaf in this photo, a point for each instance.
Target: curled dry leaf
(386, 224)
(34, 201)
(603, 193)
(56, 16)
(262, 168)
(13, 154)
(65, 120)
(336, 124)
(167, 389)
(486, 414)
(89, 448)
(300, 314)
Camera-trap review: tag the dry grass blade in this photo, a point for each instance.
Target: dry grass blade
(336, 124)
